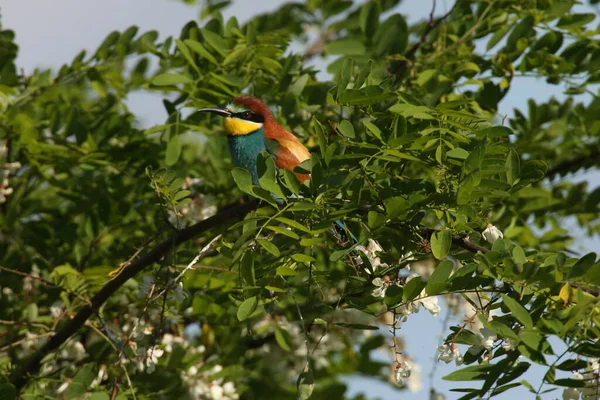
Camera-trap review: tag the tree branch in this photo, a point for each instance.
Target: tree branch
(412, 52)
(457, 240)
(31, 367)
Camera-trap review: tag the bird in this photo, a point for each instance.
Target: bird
(251, 129)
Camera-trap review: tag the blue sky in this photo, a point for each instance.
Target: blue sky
(51, 33)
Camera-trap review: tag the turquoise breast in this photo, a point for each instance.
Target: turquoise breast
(245, 149)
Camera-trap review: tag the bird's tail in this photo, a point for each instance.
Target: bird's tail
(342, 233)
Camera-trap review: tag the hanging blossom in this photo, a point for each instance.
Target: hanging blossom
(198, 208)
(491, 234)
(449, 353)
(509, 344)
(403, 371)
(381, 286)
(591, 390)
(148, 358)
(5, 170)
(430, 303)
(483, 340)
(202, 386)
(370, 251)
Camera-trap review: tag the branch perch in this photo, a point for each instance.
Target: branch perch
(21, 375)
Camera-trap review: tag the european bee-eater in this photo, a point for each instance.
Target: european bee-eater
(251, 129)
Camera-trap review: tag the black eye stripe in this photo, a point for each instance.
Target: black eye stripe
(249, 116)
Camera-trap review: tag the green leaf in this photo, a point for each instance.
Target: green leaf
(82, 381)
(470, 373)
(346, 47)
(299, 84)
(413, 288)
(293, 224)
(575, 20)
(391, 37)
(345, 76)
(346, 128)
(360, 327)
(168, 79)
(243, 179)
(394, 206)
(363, 75)
(305, 384)
(247, 269)
(582, 265)
(215, 41)
(286, 271)
(198, 48)
(247, 308)
(269, 246)
(8, 391)
(369, 18)
(173, 150)
(32, 312)
(440, 243)
(283, 338)
(438, 281)
(513, 167)
(518, 311)
(375, 219)
(498, 35)
(519, 255)
(393, 296)
(303, 258)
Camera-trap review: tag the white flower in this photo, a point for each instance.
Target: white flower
(56, 309)
(169, 341)
(216, 392)
(509, 344)
(62, 387)
(379, 291)
(491, 234)
(102, 376)
(178, 294)
(430, 304)
(449, 354)
(370, 251)
(229, 388)
(145, 287)
(403, 370)
(483, 340)
(148, 358)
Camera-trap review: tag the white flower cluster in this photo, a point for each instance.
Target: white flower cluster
(6, 169)
(449, 353)
(198, 209)
(591, 390)
(202, 386)
(200, 383)
(430, 303)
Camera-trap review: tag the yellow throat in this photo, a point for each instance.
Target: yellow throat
(235, 126)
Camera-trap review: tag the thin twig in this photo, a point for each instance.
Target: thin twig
(45, 282)
(409, 57)
(206, 249)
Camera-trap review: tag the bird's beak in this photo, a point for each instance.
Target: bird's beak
(219, 111)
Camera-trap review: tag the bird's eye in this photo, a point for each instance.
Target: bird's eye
(246, 115)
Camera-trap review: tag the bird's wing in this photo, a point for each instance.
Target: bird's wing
(288, 154)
